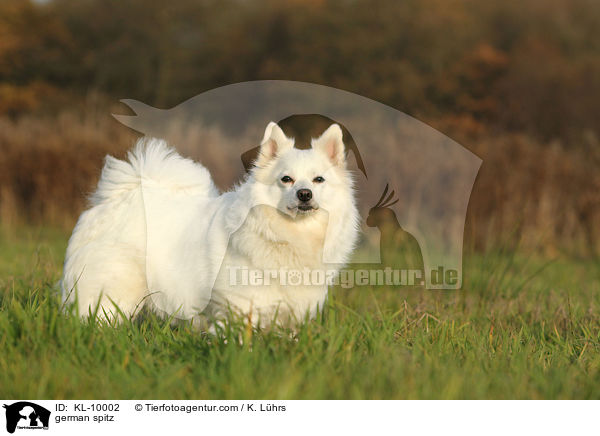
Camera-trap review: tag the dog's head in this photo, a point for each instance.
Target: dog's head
(302, 182)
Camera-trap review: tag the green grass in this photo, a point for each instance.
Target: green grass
(522, 327)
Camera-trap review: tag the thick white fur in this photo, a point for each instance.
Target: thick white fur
(158, 234)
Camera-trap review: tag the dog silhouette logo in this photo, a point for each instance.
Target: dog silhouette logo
(26, 415)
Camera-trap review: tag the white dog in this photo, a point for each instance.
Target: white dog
(159, 235)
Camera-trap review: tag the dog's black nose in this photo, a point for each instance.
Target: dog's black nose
(304, 194)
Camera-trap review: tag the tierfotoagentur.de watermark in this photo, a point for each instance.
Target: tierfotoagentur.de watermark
(346, 278)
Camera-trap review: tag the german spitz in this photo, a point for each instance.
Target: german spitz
(159, 235)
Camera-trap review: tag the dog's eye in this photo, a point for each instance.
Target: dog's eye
(318, 179)
(287, 179)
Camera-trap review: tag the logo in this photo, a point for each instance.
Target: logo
(422, 178)
(26, 415)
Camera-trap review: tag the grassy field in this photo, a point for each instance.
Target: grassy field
(522, 327)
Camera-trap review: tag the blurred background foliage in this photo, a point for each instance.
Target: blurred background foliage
(527, 66)
(517, 82)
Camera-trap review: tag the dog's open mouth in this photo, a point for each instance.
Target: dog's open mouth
(305, 207)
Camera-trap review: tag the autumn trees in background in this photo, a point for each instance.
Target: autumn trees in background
(516, 82)
(530, 66)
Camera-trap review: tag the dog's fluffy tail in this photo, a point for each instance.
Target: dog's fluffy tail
(153, 162)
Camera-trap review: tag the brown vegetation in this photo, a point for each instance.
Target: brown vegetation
(49, 165)
(545, 196)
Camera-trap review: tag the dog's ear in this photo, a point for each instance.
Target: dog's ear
(332, 144)
(273, 144)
